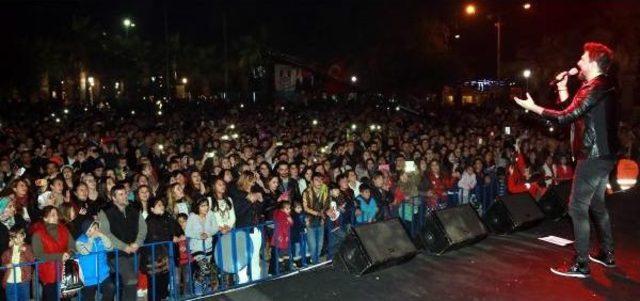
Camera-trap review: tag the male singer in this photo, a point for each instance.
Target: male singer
(594, 144)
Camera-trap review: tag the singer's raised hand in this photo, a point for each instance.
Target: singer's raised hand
(526, 103)
(529, 104)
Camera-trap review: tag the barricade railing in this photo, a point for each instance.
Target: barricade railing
(231, 259)
(36, 285)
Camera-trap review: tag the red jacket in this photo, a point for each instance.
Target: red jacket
(440, 184)
(26, 256)
(47, 270)
(563, 172)
(281, 235)
(516, 182)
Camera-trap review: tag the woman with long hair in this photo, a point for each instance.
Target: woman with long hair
(161, 227)
(18, 192)
(177, 201)
(222, 206)
(248, 209)
(195, 189)
(143, 200)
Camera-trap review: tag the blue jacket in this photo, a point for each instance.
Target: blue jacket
(94, 264)
(368, 209)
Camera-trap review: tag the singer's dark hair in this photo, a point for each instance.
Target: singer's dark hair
(600, 53)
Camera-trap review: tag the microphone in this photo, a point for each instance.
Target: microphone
(571, 72)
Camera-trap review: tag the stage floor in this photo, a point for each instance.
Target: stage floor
(511, 267)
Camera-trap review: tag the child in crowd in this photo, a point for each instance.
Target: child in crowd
(467, 183)
(368, 205)
(17, 280)
(92, 246)
(335, 216)
(281, 239)
(298, 232)
(184, 257)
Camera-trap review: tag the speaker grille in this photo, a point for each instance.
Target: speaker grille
(461, 223)
(522, 208)
(385, 240)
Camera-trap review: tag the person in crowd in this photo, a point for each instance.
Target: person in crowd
(467, 183)
(200, 229)
(195, 189)
(249, 206)
(406, 199)
(177, 201)
(354, 184)
(92, 247)
(288, 185)
(71, 219)
(53, 244)
(162, 230)
(125, 227)
(298, 234)
(184, 259)
(222, 207)
(18, 193)
(17, 279)
(336, 216)
(383, 194)
(281, 239)
(367, 204)
(272, 196)
(315, 201)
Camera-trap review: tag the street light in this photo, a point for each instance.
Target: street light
(526, 73)
(184, 80)
(127, 23)
(457, 36)
(354, 79)
(470, 9)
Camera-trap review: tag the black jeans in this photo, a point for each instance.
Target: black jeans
(587, 193)
(128, 276)
(107, 289)
(160, 290)
(50, 292)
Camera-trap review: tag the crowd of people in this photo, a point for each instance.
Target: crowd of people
(280, 182)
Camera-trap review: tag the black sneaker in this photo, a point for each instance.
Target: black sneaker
(604, 258)
(577, 270)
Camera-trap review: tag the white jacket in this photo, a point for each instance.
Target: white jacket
(467, 181)
(196, 226)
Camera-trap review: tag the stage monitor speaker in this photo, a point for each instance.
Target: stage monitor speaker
(554, 202)
(370, 247)
(513, 212)
(452, 228)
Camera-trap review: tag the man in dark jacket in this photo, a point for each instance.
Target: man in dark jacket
(126, 229)
(287, 183)
(592, 114)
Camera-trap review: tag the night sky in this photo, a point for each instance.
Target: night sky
(318, 31)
